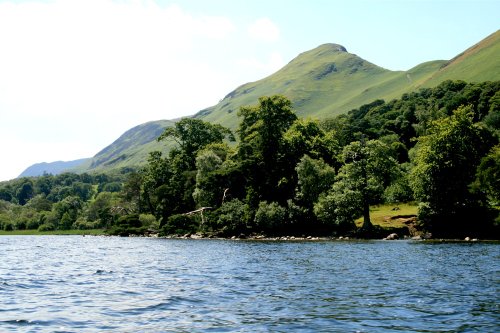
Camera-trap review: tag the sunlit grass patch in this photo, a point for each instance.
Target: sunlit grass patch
(390, 215)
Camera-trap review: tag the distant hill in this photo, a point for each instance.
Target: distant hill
(321, 83)
(53, 168)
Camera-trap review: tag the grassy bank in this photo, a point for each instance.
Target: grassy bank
(387, 215)
(94, 232)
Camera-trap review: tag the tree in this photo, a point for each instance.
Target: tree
(158, 172)
(25, 192)
(232, 217)
(305, 136)
(339, 207)
(194, 134)
(204, 194)
(174, 191)
(100, 209)
(314, 178)
(445, 161)
(270, 217)
(367, 170)
(262, 151)
(67, 210)
(132, 191)
(83, 190)
(488, 176)
(40, 203)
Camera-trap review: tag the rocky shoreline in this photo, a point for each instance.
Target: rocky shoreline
(392, 236)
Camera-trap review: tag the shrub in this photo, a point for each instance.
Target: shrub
(149, 220)
(7, 226)
(128, 225)
(21, 224)
(400, 191)
(338, 209)
(47, 227)
(129, 221)
(179, 224)
(82, 223)
(232, 217)
(270, 217)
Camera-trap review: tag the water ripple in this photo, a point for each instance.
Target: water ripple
(98, 284)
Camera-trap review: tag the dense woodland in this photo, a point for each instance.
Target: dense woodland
(277, 174)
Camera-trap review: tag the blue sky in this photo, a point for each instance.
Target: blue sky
(74, 75)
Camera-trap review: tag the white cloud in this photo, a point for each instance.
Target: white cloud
(264, 30)
(270, 65)
(85, 71)
(216, 27)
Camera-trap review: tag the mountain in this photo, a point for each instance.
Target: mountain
(328, 80)
(323, 82)
(53, 168)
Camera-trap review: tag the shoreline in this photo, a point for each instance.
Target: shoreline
(197, 236)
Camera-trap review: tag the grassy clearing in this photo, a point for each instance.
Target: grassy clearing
(94, 232)
(383, 215)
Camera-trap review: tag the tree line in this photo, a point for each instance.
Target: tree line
(278, 174)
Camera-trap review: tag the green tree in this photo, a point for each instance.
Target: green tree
(173, 190)
(262, 150)
(24, 192)
(194, 134)
(205, 194)
(314, 178)
(339, 207)
(488, 176)
(158, 172)
(445, 161)
(132, 192)
(368, 168)
(40, 203)
(5, 194)
(100, 210)
(305, 137)
(270, 217)
(69, 208)
(232, 218)
(43, 184)
(82, 190)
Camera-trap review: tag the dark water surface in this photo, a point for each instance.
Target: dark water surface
(100, 284)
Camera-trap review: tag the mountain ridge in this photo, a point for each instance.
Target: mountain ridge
(53, 168)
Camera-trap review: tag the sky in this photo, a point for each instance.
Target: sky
(75, 75)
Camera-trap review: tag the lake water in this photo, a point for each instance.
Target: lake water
(105, 284)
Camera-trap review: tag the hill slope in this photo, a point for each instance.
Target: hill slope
(131, 148)
(480, 62)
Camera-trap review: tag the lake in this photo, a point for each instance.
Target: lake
(108, 284)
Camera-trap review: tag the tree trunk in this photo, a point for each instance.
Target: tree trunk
(367, 224)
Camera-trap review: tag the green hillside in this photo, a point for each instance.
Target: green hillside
(480, 62)
(328, 80)
(131, 148)
(321, 83)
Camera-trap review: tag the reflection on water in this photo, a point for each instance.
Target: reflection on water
(100, 284)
